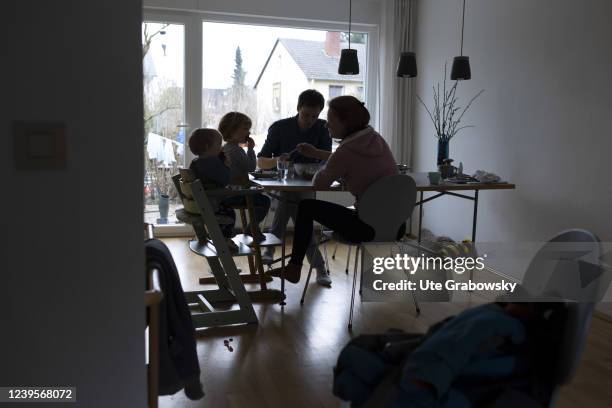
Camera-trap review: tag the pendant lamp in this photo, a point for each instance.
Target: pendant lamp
(407, 67)
(349, 63)
(461, 64)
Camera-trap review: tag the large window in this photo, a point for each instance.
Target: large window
(164, 117)
(195, 71)
(261, 70)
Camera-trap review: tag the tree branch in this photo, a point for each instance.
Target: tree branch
(167, 108)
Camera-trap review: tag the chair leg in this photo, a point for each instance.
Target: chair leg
(243, 222)
(416, 304)
(350, 324)
(348, 259)
(360, 283)
(282, 302)
(334, 254)
(306, 285)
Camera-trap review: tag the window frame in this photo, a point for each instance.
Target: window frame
(276, 99)
(341, 88)
(194, 42)
(193, 64)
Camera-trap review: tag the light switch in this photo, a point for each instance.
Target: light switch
(39, 145)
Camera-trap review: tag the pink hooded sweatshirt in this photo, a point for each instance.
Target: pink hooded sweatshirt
(361, 159)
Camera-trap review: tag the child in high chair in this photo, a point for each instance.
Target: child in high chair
(235, 128)
(212, 167)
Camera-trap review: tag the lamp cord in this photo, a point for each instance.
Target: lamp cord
(406, 37)
(350, 17)
(462, 27)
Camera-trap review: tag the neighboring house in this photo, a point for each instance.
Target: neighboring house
(215, 104)
(296, 65)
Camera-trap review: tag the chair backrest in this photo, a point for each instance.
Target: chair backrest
(182, 181)
(565, 267)
(562, 267)
(386, 204)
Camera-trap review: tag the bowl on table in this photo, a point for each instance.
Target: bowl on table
(306, 170)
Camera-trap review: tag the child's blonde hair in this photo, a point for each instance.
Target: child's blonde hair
(202, 139)
(232, 121)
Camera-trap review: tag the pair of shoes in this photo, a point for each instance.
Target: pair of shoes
(323, 278)
(292, 272)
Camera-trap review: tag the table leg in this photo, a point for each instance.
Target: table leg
(475, 216)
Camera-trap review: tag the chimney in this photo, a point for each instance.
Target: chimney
(332, 43)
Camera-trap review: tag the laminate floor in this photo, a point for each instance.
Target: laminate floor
(286, 360)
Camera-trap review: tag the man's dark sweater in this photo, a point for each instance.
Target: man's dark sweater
(285, 134)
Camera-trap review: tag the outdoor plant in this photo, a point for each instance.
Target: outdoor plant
(445, 114)
(161, 176)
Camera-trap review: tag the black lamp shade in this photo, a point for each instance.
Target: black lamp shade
(461, 69)
(407, 68)
(349, 64)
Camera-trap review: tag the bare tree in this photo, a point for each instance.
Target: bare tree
(147, 38)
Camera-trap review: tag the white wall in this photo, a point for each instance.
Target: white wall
(280, 68)
(71, 296)
(542, 123)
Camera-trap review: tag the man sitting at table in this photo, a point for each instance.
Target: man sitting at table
(283, 137)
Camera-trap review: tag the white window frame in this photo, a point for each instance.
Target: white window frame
(276, 104)
(192, 98)
(193, 20)
(341, 88)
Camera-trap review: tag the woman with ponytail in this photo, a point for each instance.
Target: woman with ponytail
(362, 158)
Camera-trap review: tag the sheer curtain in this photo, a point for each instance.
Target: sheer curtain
(395, 94)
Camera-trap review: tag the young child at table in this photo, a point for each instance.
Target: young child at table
(235, 128)
(212, 167)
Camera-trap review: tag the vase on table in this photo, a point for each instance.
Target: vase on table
(442, 149)
(163, 204)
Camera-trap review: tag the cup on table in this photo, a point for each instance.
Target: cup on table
(434, 177)
(283, 167)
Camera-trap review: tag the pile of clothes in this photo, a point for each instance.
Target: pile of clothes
(179, 367)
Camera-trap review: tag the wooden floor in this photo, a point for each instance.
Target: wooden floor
(286, 360)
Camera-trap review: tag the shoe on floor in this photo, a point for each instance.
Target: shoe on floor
(323, 278)
(292, 272)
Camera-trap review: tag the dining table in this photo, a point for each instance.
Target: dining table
(464, 190)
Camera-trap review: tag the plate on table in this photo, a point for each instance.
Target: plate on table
(265, 174)
(461, 180)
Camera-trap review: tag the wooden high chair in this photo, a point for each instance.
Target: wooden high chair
(211, 244)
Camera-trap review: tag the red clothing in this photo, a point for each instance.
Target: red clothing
(361, 159)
